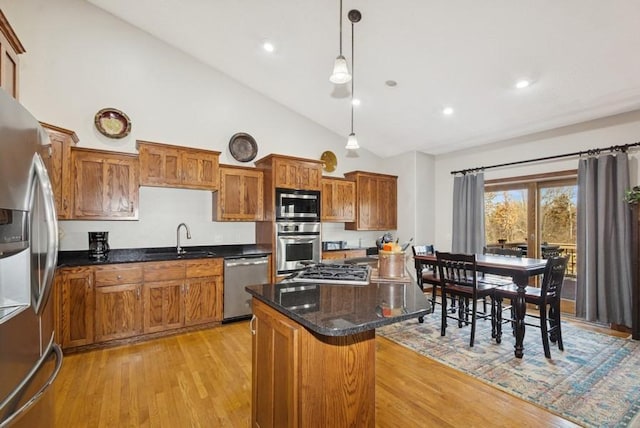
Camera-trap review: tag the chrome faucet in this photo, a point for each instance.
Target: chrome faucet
(179, 249)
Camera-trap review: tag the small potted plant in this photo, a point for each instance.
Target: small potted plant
(632, 196)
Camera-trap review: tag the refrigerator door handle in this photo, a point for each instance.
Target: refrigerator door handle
(53, 348)
(42, 180)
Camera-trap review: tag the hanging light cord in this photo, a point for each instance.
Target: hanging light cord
(353, 74)
(340, 21)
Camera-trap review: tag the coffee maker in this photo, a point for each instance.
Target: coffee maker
(98, 245)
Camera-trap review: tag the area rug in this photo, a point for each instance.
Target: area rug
(595, 382)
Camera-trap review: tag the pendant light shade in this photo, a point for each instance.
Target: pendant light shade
(352, 142)
(340, 73)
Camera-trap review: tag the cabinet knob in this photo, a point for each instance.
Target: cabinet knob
(119, 277)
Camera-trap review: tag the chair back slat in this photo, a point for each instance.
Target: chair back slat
(457, 269)
(553, 277)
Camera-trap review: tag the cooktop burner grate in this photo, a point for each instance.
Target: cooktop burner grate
(335, 274)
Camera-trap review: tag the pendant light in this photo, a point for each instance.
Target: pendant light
(340, 73)
(352, 141)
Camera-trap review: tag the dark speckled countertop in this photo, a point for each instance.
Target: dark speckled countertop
(342, 310)
(134, 255)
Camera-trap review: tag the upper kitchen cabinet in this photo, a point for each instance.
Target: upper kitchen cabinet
(57, 158)
(106, 185)
(338, 200)
(10, 48)
(376, 201)
(240, 197)
(292, 173)
(164, 165)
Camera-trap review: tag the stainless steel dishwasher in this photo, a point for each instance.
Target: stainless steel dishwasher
(238, 273)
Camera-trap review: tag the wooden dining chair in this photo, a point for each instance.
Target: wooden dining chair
(459, 279)
(547, 298)
(426, 273)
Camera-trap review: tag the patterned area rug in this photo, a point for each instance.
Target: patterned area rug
(595, 382)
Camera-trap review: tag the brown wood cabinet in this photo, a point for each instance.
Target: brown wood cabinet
(105, 185)
(10, 48)
(344, 254)
(376, 201)
(635, 266)
(338, 200)
(118, 301)
(203, 291)
(164, 165)
(163, 291)
(301, 379)
(292, 173)
(240, 197)
(58, 162)
(75, 306)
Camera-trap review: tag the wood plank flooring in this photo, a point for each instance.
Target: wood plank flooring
(203, 379)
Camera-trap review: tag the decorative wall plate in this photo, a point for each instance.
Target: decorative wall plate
(112, 123)
(243, 147)
(330, 161)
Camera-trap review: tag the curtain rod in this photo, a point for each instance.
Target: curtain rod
(566, 155)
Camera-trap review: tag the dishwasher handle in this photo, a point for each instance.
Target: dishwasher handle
(246, 262)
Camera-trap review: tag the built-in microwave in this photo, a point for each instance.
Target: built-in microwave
(298, 205)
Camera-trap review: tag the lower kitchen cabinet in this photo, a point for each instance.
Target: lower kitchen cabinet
(303, 379)
(98, 304)
(275, 369)
(118, 312)
(75, 304)
(163, 305)
(203, 300)
(203, 291)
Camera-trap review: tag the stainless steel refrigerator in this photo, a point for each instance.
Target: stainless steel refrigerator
(30, 359)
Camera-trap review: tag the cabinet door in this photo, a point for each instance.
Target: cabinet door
(240, 195)
(76, 307)
(309, 176)
(338, 200)
(163, 305)
(118, 311)
(9, 67)
(106, 186)
(367, 203)
(387, 204)
(203, 300)
(58, 163)
(285, 174)
(199, 170)
(275, 374)
(159, 165)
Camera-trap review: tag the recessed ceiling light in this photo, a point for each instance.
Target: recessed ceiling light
(521, 84)
(355, 102)
(391, 83)
(268, 46)
(447, 111)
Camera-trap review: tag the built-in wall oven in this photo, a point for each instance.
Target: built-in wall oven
(297, 205)
(297, 244)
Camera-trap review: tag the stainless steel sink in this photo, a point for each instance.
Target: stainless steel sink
(172, 254)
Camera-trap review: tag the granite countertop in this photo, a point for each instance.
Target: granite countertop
(135, 255)
(342, 310)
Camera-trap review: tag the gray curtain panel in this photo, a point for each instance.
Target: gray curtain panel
(468, 214)
(604, 240)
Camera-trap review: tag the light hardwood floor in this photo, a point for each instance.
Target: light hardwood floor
(203, 379)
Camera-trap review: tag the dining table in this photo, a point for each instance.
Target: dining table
(520, 269)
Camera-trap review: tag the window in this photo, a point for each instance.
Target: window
(536, 214)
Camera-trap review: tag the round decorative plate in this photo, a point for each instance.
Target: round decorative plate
(330, 161)
(112, 123)
(243, 147)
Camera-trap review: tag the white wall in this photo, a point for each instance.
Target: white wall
(80, 59)
(616, 130)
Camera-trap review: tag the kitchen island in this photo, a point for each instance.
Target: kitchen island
(314, 349)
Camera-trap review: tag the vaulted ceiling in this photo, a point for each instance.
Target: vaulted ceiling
(582, 58)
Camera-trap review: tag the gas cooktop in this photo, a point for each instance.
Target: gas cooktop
(335, 274)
